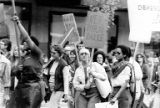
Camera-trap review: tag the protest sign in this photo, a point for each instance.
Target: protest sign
(144, 17)
(95, 30)
(156, 18)
(1, 13)
(4, 32)
(67, 36)
(69, 22)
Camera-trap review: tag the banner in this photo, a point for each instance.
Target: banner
(144, 17)
(95, 30)
(69, 22)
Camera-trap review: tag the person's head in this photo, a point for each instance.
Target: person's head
(72, 55)
(56, 51)
(80, 46)
(34, 39)
(84, 55)
(140, 58)
(68, 49)
(16, 53)
(5, 45)
(122, 52)
(99, 56)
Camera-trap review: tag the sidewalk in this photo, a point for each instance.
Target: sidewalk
(45, 105)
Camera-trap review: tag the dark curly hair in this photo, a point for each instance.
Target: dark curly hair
(95, 56)
(125, 50)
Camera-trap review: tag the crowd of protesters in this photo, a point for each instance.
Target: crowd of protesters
(70, 73)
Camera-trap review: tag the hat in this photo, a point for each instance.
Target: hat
(84, 50)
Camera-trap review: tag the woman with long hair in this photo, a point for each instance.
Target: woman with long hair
(141, 59)
(15, 61)
(73, 65)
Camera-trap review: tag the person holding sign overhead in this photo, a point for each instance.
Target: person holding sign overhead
(30, 89)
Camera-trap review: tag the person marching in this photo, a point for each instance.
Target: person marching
(30, 89)
(121, 77)
(87, 94)
(57, 77)
(5, 79)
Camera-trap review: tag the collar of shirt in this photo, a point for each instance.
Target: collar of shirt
(53, 68)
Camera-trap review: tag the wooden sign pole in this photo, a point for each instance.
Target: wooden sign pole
(68, 34)
(16, 29)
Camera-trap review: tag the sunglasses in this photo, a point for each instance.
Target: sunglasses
(118, 53)
(139, 57)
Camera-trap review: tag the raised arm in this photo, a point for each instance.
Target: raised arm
(26, 37)
(24, 33)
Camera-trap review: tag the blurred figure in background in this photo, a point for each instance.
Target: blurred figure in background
(80, 46)
(73, 65)
(139, 84)
(6, 47)
(5, 78)
(99, 57)
(67, 50)
(57, 77)
(141, 59)
(15, 61)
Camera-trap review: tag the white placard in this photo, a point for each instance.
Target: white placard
(95, 30)
(2, 13)
(143, 18)
(69, 22)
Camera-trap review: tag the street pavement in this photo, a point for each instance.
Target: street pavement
(46, 105)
